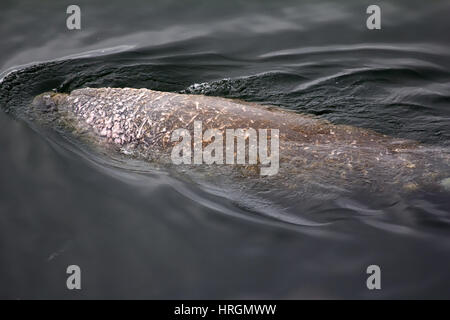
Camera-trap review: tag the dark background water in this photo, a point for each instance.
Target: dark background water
(142, 233)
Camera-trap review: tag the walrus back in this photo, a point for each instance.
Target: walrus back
(316, 158)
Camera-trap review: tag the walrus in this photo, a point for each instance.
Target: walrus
(317, 159)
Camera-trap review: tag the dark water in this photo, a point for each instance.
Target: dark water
(137, 232)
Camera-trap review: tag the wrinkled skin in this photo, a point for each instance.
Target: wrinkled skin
(317, 159)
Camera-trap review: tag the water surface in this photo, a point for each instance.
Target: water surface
(139, 232)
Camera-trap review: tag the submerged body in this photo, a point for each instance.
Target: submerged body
(316, 158)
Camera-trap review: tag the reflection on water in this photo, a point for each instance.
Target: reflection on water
(144, 232)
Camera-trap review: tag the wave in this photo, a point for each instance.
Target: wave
(405, 97)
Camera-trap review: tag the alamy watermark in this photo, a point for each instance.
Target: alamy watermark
(256, 150)
(73, 281)
(373, 282)
(373, 22)
(73, 21)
